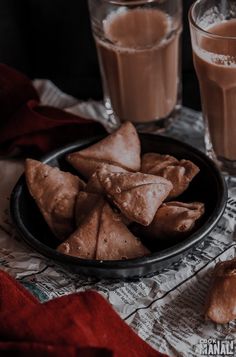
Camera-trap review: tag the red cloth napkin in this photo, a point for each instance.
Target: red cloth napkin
(27, 349)
(30, 128)
(82, 324)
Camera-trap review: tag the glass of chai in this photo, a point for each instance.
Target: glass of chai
(213, 33)
(138, 45)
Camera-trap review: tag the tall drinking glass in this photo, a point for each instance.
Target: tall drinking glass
(213, 34)
(138, 45)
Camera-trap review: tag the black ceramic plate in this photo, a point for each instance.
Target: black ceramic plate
(208, 187)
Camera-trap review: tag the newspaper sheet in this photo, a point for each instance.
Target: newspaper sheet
(166, 310)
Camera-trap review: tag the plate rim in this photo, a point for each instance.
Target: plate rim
(154, 257)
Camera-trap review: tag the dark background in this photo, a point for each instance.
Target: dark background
(52, 39)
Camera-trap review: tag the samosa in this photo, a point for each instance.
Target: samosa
(121, 148)
(174, 219)
(55, 193)
(115, 241)
(137, 195)
(83, 242)
(93, 185)
(85, 203)
(103, 236)
(180, 173)
(220, 306)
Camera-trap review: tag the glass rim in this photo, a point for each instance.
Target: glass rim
(197, 27)
(130, 2)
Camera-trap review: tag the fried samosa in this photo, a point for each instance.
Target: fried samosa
(115, 241)
(121, 148)
(93, 185)
(103, 236)
(55, 193)
(84, 205)
(174, 219)
(220, 304)
(137, 195)
(180, 173)
(83, 242)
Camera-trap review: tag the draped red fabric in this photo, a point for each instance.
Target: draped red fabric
(30, 128)
(81, 324)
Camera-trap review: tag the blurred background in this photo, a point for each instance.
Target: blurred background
(52, 39)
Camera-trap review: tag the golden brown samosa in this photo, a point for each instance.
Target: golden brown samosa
(220, 304)
(93, 185)
(103, 236)
(83, 242)
(55, 193)
(85, 203)
(180, 173)
(121, 148)
(137, 195)
(174, 219)
(115, 241)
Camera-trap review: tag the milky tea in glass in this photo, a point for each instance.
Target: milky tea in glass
(138, 48)
(213, 32)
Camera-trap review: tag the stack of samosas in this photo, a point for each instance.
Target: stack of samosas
(92, 220)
